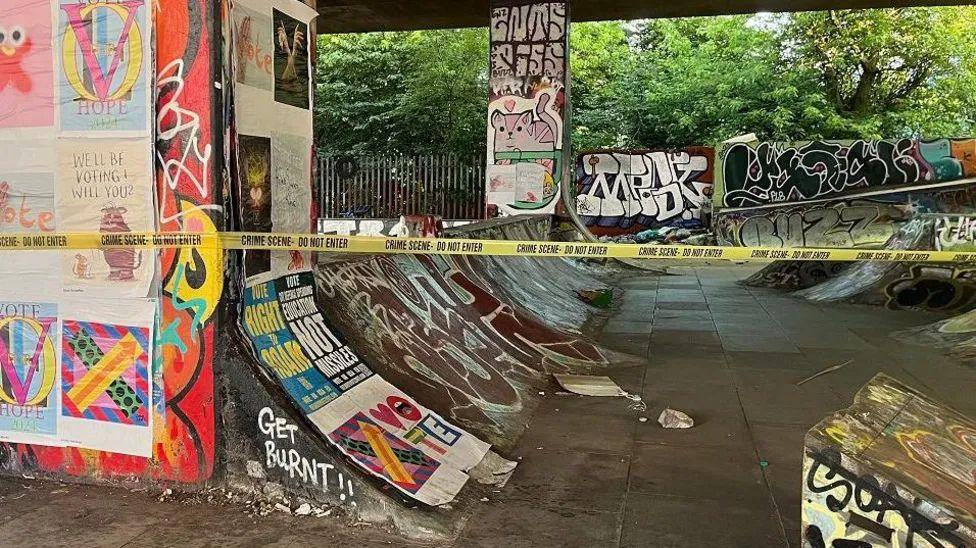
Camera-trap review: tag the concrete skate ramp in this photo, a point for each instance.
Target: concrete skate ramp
(957, 335)
(794, 275)
(376, 364)
(895, 469)
(879, 283)
(470, 337)
(900, 286)
(546, 286)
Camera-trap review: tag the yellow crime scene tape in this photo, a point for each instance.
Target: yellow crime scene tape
(439, 246)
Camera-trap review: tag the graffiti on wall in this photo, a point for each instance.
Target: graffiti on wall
(280, 453)
(375, 227)
(188, 201)
(628, 191)
(856, 223)
(527, 102)
(756, 174)
(955, 233)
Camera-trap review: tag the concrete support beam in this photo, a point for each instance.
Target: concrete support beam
(528, 106)
(380, 15)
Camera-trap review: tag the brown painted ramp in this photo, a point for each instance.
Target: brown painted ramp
(436, 328)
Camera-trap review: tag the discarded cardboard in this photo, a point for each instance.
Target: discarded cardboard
(590, 385)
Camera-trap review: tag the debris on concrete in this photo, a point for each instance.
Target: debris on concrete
(282, 508)
(643, 419)
(823, 372)
(590, 385)
(599, 298)
(493, 470)
(672, 418)
(274, 490)
(688, 232)
(303, 509)
(255, 469)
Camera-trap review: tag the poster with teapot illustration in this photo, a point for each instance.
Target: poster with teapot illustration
(105, 186)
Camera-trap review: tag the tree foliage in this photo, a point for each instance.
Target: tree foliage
(668, 82)
(413, 92)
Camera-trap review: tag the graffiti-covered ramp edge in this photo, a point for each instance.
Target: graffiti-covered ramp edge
(897, 285)
(457, 335)
(895, 469)
(546, 287)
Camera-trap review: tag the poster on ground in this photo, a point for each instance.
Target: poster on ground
(378, 426)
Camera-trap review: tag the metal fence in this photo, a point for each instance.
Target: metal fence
(390, 186)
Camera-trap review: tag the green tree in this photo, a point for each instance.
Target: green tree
(890, 72)
(668, 82)
(698, 81)
(405, 92)
(598, 53)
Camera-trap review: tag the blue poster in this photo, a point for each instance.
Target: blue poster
(277, 350)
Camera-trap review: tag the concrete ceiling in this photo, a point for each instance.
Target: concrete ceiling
(377, 15)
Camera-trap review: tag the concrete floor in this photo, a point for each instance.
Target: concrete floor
(592, 474)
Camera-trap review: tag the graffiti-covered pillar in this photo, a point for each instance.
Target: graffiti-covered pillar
(528, 106)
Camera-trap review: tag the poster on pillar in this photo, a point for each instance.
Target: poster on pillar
(527, 103)
(106, 375)
(26, 66)
(272, 98)
(291, 164)
(29, 375)
(105, 185)
(104, 51)
(28, 203)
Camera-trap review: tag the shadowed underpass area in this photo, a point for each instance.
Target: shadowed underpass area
(262, 287)
(590, 472)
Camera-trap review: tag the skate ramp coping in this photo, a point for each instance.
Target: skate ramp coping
(897, 468)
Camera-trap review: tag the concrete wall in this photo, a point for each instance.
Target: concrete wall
(624, 191)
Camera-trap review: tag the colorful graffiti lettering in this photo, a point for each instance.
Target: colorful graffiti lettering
(765, 173)
(856, 223)
(629, 191)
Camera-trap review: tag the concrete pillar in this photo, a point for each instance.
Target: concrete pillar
(528, 112)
